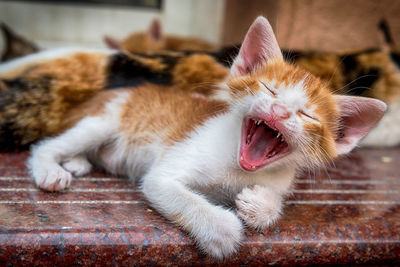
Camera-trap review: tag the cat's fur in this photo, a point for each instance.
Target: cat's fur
(59, 80)
(154, 41)
(246, 138)
(15, 45)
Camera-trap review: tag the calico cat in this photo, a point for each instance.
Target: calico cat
(15, 45)
(247, 139)
(59, 80)
(154, 41)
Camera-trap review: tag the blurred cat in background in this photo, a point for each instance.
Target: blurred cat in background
(154, 40)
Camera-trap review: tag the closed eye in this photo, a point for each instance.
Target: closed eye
(307, 116)
(269, 89)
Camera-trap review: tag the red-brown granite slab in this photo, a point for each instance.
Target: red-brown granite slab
(344, 215)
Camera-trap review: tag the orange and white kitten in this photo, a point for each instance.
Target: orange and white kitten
(191, 154)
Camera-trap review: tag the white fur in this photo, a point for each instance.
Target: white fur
(387, 131)
(259, 206)
(47, 55)
(87, 135)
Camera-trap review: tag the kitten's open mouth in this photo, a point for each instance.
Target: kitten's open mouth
(260, 144)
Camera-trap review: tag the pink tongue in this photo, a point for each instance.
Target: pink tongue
(260, 145)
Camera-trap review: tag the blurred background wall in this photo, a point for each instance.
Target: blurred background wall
(55, 23)
(329, 25)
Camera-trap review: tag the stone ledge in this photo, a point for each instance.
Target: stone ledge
(349, 214)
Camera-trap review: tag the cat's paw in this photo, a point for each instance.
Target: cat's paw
(53, 178)
(221, 238)
(258, 207)
(78, 166)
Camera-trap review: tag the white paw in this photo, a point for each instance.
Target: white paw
(258, 207)
(221, 237)
(52, 178)
(78, 166)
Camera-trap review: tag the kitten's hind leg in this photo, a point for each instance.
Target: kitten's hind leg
(217, 231)
(47, 157)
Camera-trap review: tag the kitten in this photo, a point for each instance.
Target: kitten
(247, 139)
(154, 41)
(14, 45)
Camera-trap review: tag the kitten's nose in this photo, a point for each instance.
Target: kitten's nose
(280, 111)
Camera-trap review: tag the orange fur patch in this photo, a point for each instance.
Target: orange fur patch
(198, 73)
(172, 115)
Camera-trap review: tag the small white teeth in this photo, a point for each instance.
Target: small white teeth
(279, 134)
(282, 140)
(271, 154)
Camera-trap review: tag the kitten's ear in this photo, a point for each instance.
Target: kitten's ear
(112, 42)
(15, 45)
(259, 46)
(358, 116)
(155, 30)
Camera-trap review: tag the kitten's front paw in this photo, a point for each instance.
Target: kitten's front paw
(78, 166)
(221, 238)
(258, 207)
(54, 178)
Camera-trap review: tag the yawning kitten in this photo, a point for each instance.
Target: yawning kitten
(265, 122)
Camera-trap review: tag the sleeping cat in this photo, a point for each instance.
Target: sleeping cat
(38, 92)
(247, 139)
(153, 41)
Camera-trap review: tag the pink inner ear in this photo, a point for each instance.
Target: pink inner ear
(259, 46)
(112, 42)
(358, 116)
(155, 30)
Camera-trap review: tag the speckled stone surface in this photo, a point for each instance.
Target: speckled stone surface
(347, 214)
